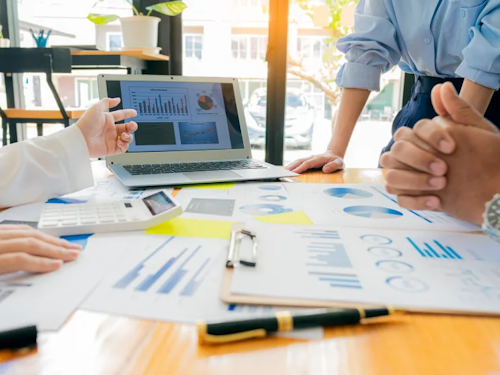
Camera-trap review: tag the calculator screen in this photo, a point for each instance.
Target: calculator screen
(158, 203)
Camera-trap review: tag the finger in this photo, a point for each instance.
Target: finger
(295, 164)
(9, 227)
(128, 127)
(122, 146)
(108, 103)
(462, 112)
(25, 262)
(409, 154)
(433, 132)
(437, 102)
(388, 161)
(426, 202)
(31, 233)
(127, 138)
(337, 164)
(39, 248)
(408, 134)
(123, 114)
(414, 180)
(310, 164)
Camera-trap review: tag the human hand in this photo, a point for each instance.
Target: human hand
(329, 162)
(415, 150)
(24, 249)
(101, 134)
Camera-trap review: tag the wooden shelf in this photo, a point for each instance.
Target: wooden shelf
(42, 114)
(138, 54)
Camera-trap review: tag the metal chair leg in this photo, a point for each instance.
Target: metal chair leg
(13, 131)
(39, 129)
(4, 133)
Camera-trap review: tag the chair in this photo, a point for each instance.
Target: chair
(35, 60)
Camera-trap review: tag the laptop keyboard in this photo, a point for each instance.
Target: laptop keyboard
(145, 169)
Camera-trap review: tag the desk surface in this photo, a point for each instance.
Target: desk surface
(94, 343)
(139, 54)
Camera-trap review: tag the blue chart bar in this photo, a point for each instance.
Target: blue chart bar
(339, 280)
(172, 282)
(134, 272)
(329, 255)
(442, 251)
(319, 234)
(193, 284)
(151, 279)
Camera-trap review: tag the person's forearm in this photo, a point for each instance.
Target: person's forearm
(476, 95)
(352, 103)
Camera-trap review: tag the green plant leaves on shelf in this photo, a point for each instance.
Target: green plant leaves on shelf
(102, 19)
(171, 8)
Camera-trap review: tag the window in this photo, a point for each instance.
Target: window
(193, 46)
(250, 3)
(114, 41)
(86, 91)
(249, 47)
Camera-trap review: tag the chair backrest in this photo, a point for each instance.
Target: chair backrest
(35, 60)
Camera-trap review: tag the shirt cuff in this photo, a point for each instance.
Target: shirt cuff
(76, 158)
(359, 76)
(486, 79)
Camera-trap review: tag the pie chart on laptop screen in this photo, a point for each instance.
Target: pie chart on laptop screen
(348, 193)
(205, 102)
(373, 212)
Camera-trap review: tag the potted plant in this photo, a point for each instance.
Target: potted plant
(4, 42)
(141, 30)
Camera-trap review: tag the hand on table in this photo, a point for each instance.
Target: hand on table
(449, 163)
(329, 162)
(24, 249)
(101, 133)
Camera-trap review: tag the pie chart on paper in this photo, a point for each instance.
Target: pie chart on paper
(264, 209)
(348, 193)
(373, 212)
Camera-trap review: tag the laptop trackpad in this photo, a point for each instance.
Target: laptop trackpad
(211, 176)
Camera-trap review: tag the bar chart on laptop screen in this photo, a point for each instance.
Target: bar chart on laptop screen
(158, 103)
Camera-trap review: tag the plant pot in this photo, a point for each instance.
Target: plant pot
(4, 43)
(140, 31)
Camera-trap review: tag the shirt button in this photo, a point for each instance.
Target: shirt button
(463, 13)
(427, 40)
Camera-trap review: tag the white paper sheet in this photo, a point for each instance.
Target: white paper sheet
(47, 300)
(174, 279)
(358, 205)
(408, 269)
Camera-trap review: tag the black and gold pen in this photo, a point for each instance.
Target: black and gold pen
(218, 333)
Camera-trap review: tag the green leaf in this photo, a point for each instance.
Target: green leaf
(1, 33)
(102, 19)
(171, 8)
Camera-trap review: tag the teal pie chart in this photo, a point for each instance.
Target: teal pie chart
(348, 193)
(373, 212)
(264, 209)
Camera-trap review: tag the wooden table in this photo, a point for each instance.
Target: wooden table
(94, 343)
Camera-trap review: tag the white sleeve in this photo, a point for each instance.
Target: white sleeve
(44, 167)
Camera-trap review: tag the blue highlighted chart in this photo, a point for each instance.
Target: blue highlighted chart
(386, 252)
(198, 133)
(327, 254)
(273, 198)
(348, 193)
(435, 250)
(406, 284)
(63, 200)
(376, 239)
(373, 212)
(394, 266)
(80, 239)
(270, 187)
(264, 209)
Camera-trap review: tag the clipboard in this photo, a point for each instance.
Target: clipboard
(243, 299)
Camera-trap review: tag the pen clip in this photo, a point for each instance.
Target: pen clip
(235, 245)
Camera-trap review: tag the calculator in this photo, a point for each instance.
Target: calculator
(113, 216)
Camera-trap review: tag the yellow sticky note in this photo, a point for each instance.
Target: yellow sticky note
(294, 218)
(194, 228)
(223, 186)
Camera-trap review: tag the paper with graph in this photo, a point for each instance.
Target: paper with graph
(408, 269)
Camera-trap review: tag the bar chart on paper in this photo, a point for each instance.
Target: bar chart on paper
(167, 278)
(434, 249)
(157, 103)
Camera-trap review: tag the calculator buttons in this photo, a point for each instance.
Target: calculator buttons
(106, 219)
(70, 222)
(89, 220)
(49, 223)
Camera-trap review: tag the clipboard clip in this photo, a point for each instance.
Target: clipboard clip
(233, 257)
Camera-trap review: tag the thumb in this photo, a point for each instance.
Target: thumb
(437, 101)
(108, 103)
(462, 112)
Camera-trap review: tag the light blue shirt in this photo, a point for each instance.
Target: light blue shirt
(437, 38)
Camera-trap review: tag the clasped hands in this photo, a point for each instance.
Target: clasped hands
(450, 163)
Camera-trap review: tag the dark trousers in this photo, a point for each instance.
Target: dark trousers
(420, 106)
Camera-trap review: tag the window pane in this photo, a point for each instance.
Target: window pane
(308, 126)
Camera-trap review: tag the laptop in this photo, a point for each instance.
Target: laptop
(191, 131)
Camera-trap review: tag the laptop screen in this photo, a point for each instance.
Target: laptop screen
(180, 116)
